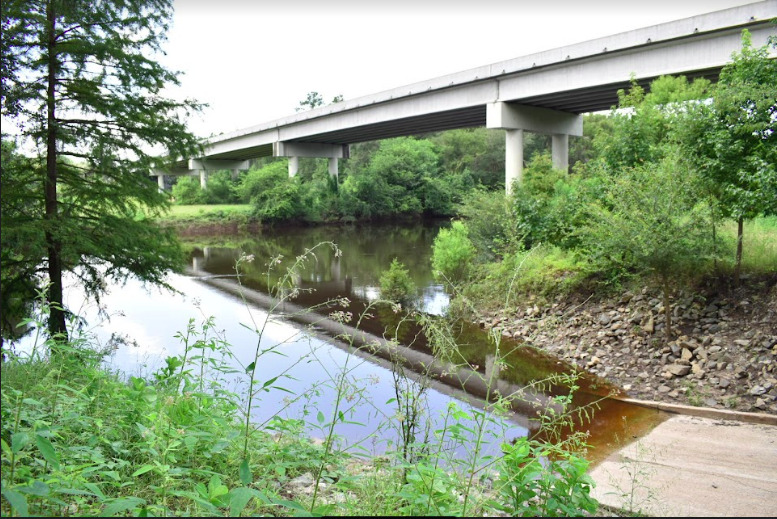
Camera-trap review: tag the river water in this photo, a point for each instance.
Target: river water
(152, 324)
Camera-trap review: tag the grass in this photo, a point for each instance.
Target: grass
(759, 252)
(78, 440)
(208, 213)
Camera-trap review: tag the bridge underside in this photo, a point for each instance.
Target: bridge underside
(544, 92)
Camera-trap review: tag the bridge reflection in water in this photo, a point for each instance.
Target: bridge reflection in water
(610, 423)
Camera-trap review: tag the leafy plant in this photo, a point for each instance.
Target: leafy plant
(396, 284)
(452, 253)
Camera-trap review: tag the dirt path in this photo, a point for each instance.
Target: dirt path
(692, 466)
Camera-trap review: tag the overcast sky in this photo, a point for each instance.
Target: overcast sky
(254, 61)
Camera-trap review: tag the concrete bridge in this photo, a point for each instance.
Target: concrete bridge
(545, 92)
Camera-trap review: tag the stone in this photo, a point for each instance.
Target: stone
(650, 325)
(757, 390)
(678, 370)
(664, 389)
(686, 354)
(303, 482)
(724, 383)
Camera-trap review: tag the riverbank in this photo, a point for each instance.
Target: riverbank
(722, 356)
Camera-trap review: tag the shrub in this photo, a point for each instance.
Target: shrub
(396, 284)
(274, 195)
(452, 252)
(187, 191)
(544, 271)
(221, 189)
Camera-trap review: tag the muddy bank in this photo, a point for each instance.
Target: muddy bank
(189, 229)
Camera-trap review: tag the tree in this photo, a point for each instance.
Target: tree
(732, 140)
(653, 221)
(310, 102)
(395, 181)
(82, 84)
(643, 124)
(314, 100)
(274, 195)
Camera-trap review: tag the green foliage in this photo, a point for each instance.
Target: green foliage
(544, 271)
(478, 153)
(186, 190)
(489, 223)
(274, 195)
(221, 188)
(732, 141)
(643, 125)
(397, 181)
(84, 85)
(543, 481)
(651, 220)
(312, 100)
(452, 253)
(20, 209)
(396, 284)
(546, 207)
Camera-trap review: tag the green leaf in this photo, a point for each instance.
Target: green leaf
(238, 499)
(38, 488)
(300, 511)
(18, 441)
(245, 473)
(47, 450)
(270, 382)
(122, 504)
(142, 470)
(320, 417)
(250, 367)
(17, 501)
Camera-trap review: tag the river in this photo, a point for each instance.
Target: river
(150, 324)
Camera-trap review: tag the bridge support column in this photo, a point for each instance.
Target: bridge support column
(560, 151)
(513, 158)
(516, 118)
(333, 172)
(202, 166)
(293, 166)
(160, 181)
(295, 150)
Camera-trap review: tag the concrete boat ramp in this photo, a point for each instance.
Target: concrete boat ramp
(698, 463)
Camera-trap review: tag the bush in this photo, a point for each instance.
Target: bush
(187, 191)
(489, 223)
(544, 271)
(452, 252)
(546, 207)
(654, 222)
(274, 195)
(221, 189)
(396, 284)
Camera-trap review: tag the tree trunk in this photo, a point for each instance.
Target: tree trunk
(738, 266)
(715, 250)
(57, 325)
(667, 312)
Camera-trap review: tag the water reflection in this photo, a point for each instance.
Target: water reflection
(367, 252)
(154, 322)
